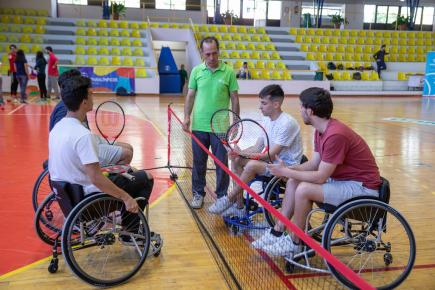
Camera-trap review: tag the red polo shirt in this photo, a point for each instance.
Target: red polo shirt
(52, 68)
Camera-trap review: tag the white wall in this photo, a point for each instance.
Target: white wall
(355, 15)
(40, 4)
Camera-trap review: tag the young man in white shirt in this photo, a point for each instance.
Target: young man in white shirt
(73, 153)
(285, 143)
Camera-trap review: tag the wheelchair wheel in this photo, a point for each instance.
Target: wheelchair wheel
(274, 194)
(41, 189)
(370, 236)
(98, 248)
(49, 220)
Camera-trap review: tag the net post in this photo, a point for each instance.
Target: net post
(169, 135)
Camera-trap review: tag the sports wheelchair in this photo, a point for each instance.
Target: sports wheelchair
(365, 233)
(102, 243)
(42, 187)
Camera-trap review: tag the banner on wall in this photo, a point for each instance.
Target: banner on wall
(107, 79)
(429, 81)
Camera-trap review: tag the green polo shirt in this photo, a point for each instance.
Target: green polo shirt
(212, 93)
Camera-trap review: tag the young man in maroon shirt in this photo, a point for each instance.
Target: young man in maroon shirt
(53, 73)
(342, 167)
(11, 72)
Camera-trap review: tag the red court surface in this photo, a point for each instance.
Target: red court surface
(23, 148)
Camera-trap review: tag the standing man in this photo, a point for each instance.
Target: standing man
(183, 76)
(211, 86)
(53, 73)
(380, 59)
(12, 72)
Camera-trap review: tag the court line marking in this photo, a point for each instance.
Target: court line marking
(147, 119)
(164, 195)
(16, 109)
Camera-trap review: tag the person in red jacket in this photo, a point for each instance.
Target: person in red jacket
(53, 73)
(11, 72)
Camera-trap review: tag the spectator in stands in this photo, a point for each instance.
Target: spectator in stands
(183, 76)
(342, 167)
(11, 71)
(40, 65)
(380, 59)
(22, 74)
(212, 85)
(244, 72)
(53, 73)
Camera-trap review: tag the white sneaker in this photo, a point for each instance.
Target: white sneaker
(283, 247)
(220, 205)
(265, 240)
(234, 211)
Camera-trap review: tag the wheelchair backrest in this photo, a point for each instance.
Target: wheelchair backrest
(68, 195)
(384, 190)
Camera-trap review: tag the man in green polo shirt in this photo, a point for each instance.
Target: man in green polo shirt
(212, 85)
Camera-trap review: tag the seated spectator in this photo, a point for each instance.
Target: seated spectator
(244, 72)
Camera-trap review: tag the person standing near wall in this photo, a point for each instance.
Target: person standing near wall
(183, 76)
(212, 85)
(40, 65)
(53, 72)
(11, 71)
(22, 74)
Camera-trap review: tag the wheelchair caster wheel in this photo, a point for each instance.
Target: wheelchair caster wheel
(49, 215)
(53, 267)
(156, 254)
(388, 259)
(289, 267)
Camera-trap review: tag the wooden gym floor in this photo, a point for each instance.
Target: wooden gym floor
(404, 146)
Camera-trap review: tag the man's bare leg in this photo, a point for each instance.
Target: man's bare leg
(288, 203)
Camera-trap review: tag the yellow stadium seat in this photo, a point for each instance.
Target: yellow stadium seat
(91, 23)
(139, 62)
(236, 37)
(270, 46)
(265, 74)
(421, 58)
(114, 42)
(27, 29)
(419, 42)
(164, 25)
(304, 47)
(92, 60)
(246, 37)
(231, 45)
(374, 76)
(260, 46)
(255, 74)
(29, 20)
(367, 57)
(103, 33)
(103, 61)
(250, 46)
(341, 48)
(327, 32)
(16, 29)
(43, 13)
(127, 61)
(30, 12)
(232, 29)
(310, 56)
(252, 30)
(275, 55)
(280, 65)
(255, 38)
(123, 24)
(286, 75)
(411, 58)
(395, 41)
(155, 25)
(81, 32)
(25, 38)
(25, 48)
(313, 47)
(114, 33)
(3, 38)
(224, 54)
(293, 31)
(338, 56)
(39, 29)
(336, 75)
(223, 29)
(92, 41)
(401, 76)
(260, 64)
(276, 75)
(265, 55)
(411, 41)
(102, 23)
(411, 50)
(351, 41)
(428, 42)
(350, 49)
(136, 42)
(241, 46)
(421, 50)
(261, 30)
(113, 24)
(5, 19)
(358, 57)
(17, 20)
(125, 42)
(126, 51)
(227, 37)
(265, 38)
(362, 33)
(242, 29)
(251, 64)
(365, 76)
(91, 32)
(80, 50)
(329, 57)
(335, 32)
(103, 41)
(80, 22)
(138, 51)
(342, 40)
(115, 51)
(141, 73)
(213, 28)
(125, 33)
(346, 76)
(134, 25)
(103, 51)
(222, 46)
(333, 40)
(245, 55)
(331, 48)
(116, 60)
(229, 63)
(135, 34)
(254, 55)
(270, 65)
(238, 64)
(323, 48)
(92, 50)
(143, 25)
(13, 38)
(234, 54)
(324, 40)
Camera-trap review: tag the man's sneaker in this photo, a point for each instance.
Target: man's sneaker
(283, 247)
(220, 205)
(265, 240)
(197, 201)
(234, 211)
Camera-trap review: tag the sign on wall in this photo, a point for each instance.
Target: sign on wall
(108, 79)
(429, 81)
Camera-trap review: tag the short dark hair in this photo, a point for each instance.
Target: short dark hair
(49, 48)
(66, 75)
(12, 45)
(274, 91)
(209, 39)
(74, 91)
(21, 57)
(318, 100)
(245, 62)
(383, 46)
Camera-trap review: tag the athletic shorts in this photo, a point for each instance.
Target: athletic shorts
(336, 192)
(109, 154)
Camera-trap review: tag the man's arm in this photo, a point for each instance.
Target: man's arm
(188, 106)
(235, 106)
(105, 185)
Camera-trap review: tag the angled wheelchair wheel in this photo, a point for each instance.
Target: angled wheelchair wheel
(274, 194)
(103, 245)
(41, 189)
(49, 220)
(372, 239)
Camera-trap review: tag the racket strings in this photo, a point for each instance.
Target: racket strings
(110, 120)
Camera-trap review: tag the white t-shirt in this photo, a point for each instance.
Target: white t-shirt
(70, 147)
(285, 131)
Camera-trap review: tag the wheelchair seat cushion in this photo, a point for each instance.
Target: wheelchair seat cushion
(68, 195)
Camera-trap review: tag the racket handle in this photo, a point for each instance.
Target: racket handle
(128, 176)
